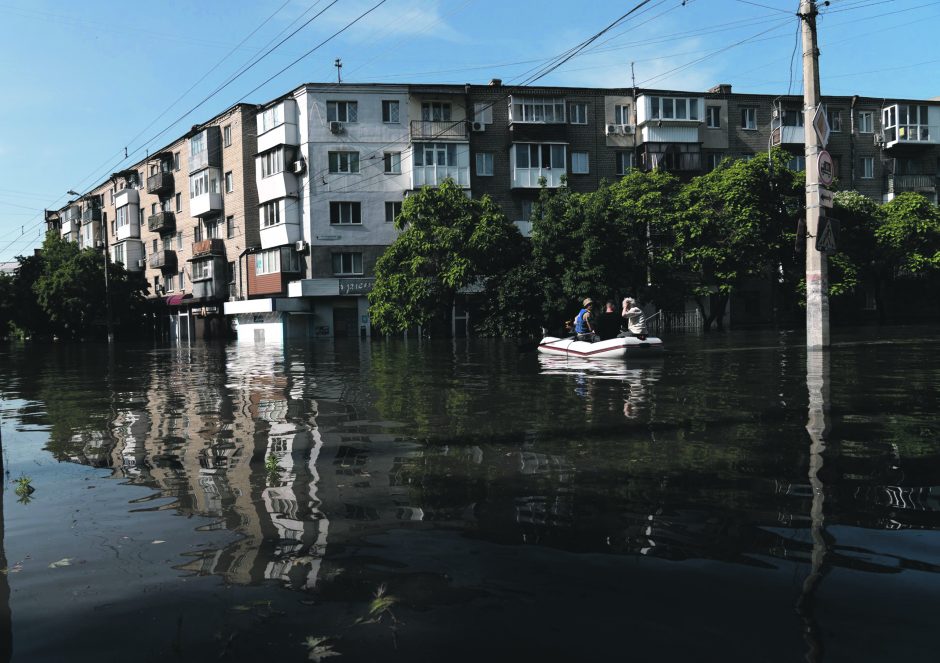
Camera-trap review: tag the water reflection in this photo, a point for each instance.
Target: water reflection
(638, 378)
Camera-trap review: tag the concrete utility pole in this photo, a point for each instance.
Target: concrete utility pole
(817, 277)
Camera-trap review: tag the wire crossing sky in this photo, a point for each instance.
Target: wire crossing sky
(84, 81)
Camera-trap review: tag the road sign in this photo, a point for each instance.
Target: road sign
(827, 235)
(821, 125)
(825, 197)
(775, 136)
(826, 168)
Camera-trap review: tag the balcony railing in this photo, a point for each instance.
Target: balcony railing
(90, 214)
(214, 247)
(161, 182)
(161, 222)
(900, 183)
(164, 260)
(439, 130)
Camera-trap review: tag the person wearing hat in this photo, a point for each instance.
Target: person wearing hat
(584, 323)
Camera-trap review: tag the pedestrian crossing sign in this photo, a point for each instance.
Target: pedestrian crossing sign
(827, 235)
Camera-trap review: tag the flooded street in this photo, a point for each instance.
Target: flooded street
(438, 500)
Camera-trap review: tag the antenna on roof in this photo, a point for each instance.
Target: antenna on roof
(339, 70)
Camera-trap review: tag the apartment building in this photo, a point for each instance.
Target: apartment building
(291, 203)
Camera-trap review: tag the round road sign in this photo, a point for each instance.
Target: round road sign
(826, 168)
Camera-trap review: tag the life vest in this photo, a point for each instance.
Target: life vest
(580, 326)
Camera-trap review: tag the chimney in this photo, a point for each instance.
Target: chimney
(496, 82)
(721, 88)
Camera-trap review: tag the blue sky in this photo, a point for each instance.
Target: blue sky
(83, 80)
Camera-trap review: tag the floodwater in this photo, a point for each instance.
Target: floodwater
(734, 500)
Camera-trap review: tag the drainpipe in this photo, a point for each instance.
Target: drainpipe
(852, 141)
(241, 272)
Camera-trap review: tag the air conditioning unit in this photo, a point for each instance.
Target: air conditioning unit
(299, 166)
(336, 127)
(626, 128)
(612, 129)
(142, 263)
(300, 246)
(478, 126)
(879, 139)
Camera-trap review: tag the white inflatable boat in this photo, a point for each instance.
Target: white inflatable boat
(614, 348)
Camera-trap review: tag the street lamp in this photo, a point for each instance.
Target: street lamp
(107, 280)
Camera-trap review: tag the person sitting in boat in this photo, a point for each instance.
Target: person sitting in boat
(584, 322)
(634, 319)
(608, 323)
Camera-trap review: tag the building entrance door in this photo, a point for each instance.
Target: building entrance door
(345, 322)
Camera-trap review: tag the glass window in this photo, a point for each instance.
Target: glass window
(268, 262)
(868, 168)
(546, 111)
(797, 163)
(197, 143)
(713, 117)
(202, 270)
(579, 163)
(203, 182)
(792, 117)
(537, 155)
(392, 163)
(344, 213)
(483, 113)
(176, 161)
(390, 113)
(230, 227)
(866, 122)
(835, 120)
(342, 111)
(578, 113)
(435, 111)
(344, 162)
(622, 114)
(484, 164)
(347, 263)
(179, 241)
(435, 154)
(227, 135)
(749, 118)
(271, 117)
(624, 162)
(272, 162)
(179, 202)
(229, 182)
(392, 210)
(270, 214)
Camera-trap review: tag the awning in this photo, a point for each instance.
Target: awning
(177, 300)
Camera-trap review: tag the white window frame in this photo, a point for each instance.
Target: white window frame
(674, 109)
(537, 110)
(392, 210)
(868, 168)
(835, 120)
(391, 111)
(270, 213)
(713, 117)
(343, 162)
(622, 115)
(580, 163)
(268, 262)
(349, 263)
(271, 162)
(484, 164)
(749, 118)
(202, 270)
(345, 213)
(227, 135)
(342, 111)
(436, 111)
(625, 161)
(179, 202)
(578, 112)
(229, 182)
(391, 163)
(483, 113)
(203, 182)
(271, 117)
(870, 123)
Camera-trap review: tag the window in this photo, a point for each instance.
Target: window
(624, 162)
(484, 164)
(119, 253)
(527, 207)
(123, 216)
(156, 285)
(153, 248)
(270, 118)
(179, 202)
(347, 263)
(673, 108)
(435, 154)
(227, 135)
(153, 209)
(176, 161)
(483, 113)
(835, 120)
(792, 118)
(197, 144)
(435, 111)
(622, 114)
(272, 162)
(905, 122)
(868, 168)
(749, 118)
(713, 117)
(270, 214)
(866, 122)
(167, 244)
(713, 160)
(537, 155)
(797, 163)
(182, 280)
(390, 113)
(202, 270)
(579, 163)
(344, 213)
(230, 227)
(344, 162)
(112, 195)
(140, 216)
(268, 262)
(197, 232)
(392, 210)
(203, 182)
(212, 228)
(171, 282)
(392, 162)
(578, 113)
(231, 272)
(342, 111)
(229, 182)
(546, 111)
(179, 241)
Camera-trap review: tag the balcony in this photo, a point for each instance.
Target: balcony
(205, 204)
(919, 183)
(792, 135)
(910, 124)
(209, 247)
(91, 214)
(439, 130)
(160, 183)
(164, 260)
(161, 222)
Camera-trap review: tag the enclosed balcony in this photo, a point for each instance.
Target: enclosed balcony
(919, 183)
(209, 247)
(533, 163)
(164, 260)
(71, 222)
(205, 195)
(435, 162)
(161, 222)
(91, 214)
(910, 124)
(160, 183)
(439, 130)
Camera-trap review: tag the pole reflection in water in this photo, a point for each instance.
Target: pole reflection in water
(817, 425)
(6, 617)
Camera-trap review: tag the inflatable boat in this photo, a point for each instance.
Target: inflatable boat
(614, 348)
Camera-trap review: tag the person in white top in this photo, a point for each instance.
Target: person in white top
(633, 316)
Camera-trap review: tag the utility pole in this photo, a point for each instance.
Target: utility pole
(817, 277)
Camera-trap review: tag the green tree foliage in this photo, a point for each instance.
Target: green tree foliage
(448, 242)
(857, 259)
(909, 234)
(6, 304)
(733, 224)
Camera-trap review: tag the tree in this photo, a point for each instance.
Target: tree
(858, 261)
(731, 225)
(448, 242)
(910, 234)
(7, 308)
